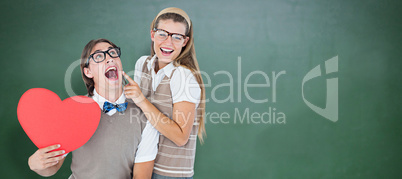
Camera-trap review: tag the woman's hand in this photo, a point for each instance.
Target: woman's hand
(177, 131)
(133, 91)
(44, 159)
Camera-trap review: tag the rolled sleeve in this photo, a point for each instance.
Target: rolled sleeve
(185, 87)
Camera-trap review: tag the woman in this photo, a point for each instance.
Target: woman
(171, 93)
(120, 147)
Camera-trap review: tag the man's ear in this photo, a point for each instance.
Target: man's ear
(88, 72)
(185, 41)
(152, 35)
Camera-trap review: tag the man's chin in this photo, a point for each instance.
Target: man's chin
(114, 86)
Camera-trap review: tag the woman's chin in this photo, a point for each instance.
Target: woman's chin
(165, 59)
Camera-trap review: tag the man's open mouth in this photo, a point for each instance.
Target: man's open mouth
(111, 73)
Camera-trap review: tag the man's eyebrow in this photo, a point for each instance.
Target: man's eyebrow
(102, 51)
(98, 51)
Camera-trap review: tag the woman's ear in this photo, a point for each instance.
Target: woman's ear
(88, 72)
(185, 41)
(152, 35)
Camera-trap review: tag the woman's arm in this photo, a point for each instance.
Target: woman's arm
(46, 163)
(177, 130)
(143, 170)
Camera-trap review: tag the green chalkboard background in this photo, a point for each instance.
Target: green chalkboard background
(238, 43)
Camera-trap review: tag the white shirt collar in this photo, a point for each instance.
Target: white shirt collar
(167, 69)
(101, 100)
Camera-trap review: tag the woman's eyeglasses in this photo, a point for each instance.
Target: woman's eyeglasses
(99, 56)
(162, 35)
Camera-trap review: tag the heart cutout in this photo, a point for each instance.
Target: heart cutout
(48, 121)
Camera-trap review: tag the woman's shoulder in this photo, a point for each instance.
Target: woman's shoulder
(142, 59)
(140, 62)
(184, 86)
(182, 71)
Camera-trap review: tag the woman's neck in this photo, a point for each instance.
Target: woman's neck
(156, 66)
(159, 65)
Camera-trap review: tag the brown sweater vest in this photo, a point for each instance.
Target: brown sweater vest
(110, 153)
(172, 160)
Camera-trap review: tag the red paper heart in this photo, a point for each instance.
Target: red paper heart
(47, 120)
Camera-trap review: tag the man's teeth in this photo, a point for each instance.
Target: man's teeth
(166, 50)
(111, 68)
(111, 73)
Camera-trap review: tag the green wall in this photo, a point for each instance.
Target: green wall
(238, 43)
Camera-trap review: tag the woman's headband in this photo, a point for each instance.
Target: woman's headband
(176, 11)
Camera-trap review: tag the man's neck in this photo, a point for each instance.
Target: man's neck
(110, 95)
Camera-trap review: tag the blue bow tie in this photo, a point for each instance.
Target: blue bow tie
(119, 107)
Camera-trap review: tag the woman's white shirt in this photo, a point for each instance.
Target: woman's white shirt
(183, 84)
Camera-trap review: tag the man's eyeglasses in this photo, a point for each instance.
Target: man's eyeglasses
(99, 56)
(162, 35)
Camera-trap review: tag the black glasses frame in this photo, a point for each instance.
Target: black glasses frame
(170, 34)
(104, 55)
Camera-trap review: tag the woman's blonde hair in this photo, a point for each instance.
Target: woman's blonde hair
(186, 58)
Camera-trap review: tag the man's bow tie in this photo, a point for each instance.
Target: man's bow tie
(119, 107)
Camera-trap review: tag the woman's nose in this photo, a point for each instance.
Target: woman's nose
(169, 39)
